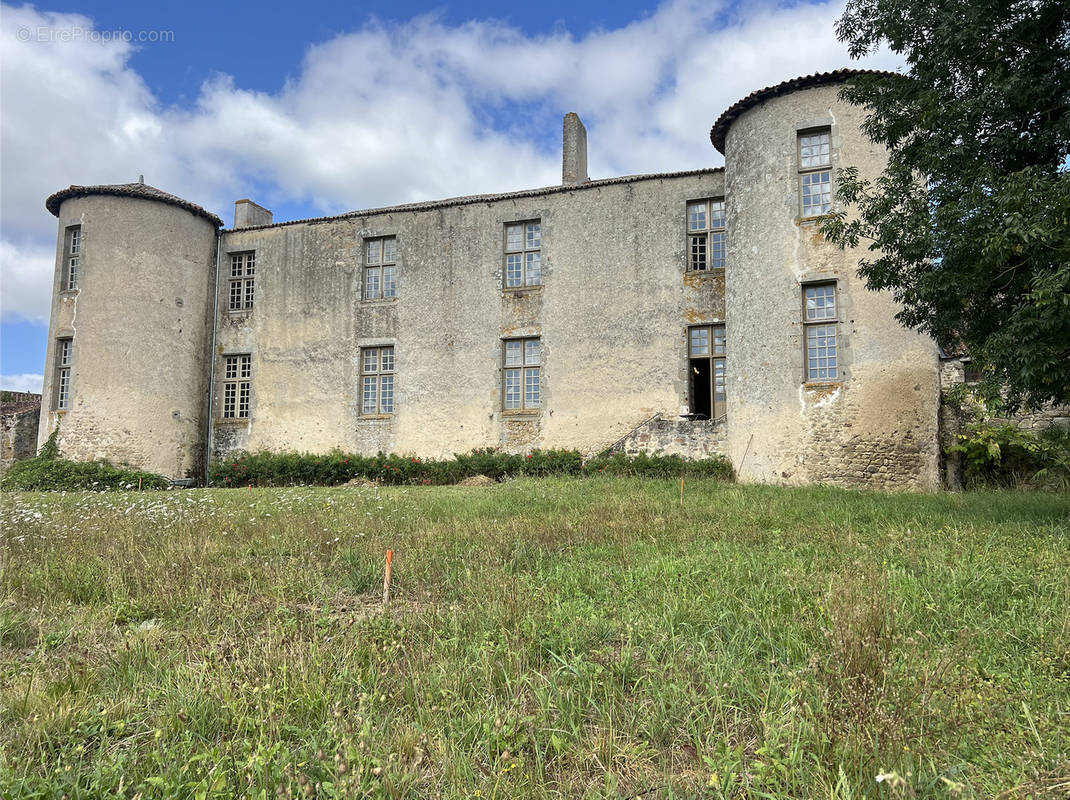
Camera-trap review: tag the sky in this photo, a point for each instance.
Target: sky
(318, 108)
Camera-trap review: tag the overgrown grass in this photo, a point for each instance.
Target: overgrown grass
(550, 638)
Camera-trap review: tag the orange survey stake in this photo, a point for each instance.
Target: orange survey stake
(387, 575)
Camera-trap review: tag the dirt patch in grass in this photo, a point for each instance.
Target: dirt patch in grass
(478, 480)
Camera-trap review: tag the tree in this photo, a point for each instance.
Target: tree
(969, 225)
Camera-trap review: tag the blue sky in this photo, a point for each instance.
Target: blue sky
(317, 108)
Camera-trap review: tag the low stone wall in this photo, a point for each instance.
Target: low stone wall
(954, 418)
(18, 428)
(690, 438)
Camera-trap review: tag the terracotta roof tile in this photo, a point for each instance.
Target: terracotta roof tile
(142, 190)
(724, 122)
(431, 205)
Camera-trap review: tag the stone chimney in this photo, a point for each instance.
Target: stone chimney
(248, 214)
(574, 151)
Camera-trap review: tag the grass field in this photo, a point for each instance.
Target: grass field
(549, 638)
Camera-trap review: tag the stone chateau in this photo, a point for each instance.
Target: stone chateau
(696, 312)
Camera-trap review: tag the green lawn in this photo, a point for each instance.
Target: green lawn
(549, 638)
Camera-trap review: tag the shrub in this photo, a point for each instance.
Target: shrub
(660, 466)
(1003, 455)
(50, 473)
(330, 469)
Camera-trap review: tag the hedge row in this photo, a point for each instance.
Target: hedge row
(43, 474)
(336, 467)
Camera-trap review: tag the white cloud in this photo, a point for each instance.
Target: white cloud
(26, 280)
(26, 382)
(386, 114)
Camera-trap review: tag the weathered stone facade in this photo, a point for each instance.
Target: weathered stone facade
(19, 417)
(690, 438)
(158, 339)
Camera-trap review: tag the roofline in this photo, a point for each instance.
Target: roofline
(56, 200)
(432, 205)
(720, 128)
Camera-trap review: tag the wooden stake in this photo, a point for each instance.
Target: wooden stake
(139, 484)
(681, 491)
(387, 576)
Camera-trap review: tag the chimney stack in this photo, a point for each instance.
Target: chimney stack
(574, 151)
(248, 214)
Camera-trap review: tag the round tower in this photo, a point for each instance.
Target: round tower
(126, 371)
(824, 384)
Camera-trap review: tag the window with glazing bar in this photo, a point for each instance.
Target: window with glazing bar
(522, 374)
(381, 268)
(61, 391)
(820, 322)
(706, 236)
(523, 254)
(237, 386)
(815, 173)
(377, 373)
(707, 353)
(242, 280)
(72, 257)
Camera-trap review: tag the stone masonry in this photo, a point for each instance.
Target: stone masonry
(19, 417)
(668, 313)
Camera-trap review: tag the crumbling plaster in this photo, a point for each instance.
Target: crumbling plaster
(876, 425)
(139, 327)
(614, 301)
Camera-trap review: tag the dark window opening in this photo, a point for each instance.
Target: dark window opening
(707, 354)
(701, 395)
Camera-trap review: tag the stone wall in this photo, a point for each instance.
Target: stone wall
(956, 414)
(19, 418)
(875, 423)
(690, 438)
(138, 323)
(612, 316)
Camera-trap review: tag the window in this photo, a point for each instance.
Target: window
(242, 279)
(61, 389)
(381, 268)
(706, 237)
(707, 351)
(820, 320)
(72, 257)
(237, 386)
(522, 374)
(815, 175)
(377, 372)
(523, 254)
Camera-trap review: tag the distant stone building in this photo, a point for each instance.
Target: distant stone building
(695, 312)
(20, 414)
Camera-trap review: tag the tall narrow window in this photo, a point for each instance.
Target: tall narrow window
(377, 372)
(706, 235)
(61, 391)
(707, 351)
(523, 254)
(72, 257)
(522, 374)
(242, 280)
(381, 268)
(237, 386)
(820, 321)
(815, 175)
